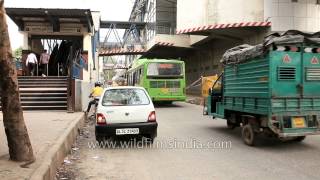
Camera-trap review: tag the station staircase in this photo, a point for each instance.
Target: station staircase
(43, 93)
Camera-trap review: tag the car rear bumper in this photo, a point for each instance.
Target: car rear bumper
(148, 128)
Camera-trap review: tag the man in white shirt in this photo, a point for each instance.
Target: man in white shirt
(31, 63)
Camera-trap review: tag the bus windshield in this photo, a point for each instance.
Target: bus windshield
(164, 69)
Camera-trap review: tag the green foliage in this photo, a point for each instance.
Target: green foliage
(17, 53)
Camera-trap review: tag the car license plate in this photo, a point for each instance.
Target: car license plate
(299, 122)
(127, 131)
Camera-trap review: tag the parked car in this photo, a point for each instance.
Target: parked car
(125, 110)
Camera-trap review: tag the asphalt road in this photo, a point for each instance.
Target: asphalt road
(192, 146)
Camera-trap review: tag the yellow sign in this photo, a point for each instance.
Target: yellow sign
(207, 83)
(299, 122)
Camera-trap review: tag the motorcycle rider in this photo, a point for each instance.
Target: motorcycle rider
(95, 93)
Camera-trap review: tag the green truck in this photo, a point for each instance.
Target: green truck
(271, 89)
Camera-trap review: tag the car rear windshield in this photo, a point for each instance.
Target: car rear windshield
(125, 97)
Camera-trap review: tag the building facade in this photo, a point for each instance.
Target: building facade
(301, 15)
(71, 38)
(236, 22)
(207, 28)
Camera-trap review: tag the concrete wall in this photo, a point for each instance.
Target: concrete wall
(25, 42)
(234, 11)
(82, 92)
(85, 92)
(303, 15)
(90, 75)
(192, 13)
(187, 19)
(205, 61)
(194, 39)
(36, 46)
(96, 17)
(176, 40)
(166, 16)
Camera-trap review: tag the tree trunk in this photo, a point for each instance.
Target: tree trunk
(20, 148)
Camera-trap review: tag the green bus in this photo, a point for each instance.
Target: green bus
(163, 79)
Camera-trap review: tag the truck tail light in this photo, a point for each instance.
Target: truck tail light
(294, 49)
(101, 120)
(152, 117)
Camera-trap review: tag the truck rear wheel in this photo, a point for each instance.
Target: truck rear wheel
(231, 120)
(230, 125)
(248, 135)
(300, 138)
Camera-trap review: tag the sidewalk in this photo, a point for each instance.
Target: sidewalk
(47, 131)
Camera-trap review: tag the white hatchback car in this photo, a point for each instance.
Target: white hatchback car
(125, 110)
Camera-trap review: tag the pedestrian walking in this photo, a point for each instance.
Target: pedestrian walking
(31, 63)
(44, 61)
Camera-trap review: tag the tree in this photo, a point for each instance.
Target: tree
(17, 53)
(19, 144)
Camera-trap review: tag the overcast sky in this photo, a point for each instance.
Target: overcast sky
(118, 10)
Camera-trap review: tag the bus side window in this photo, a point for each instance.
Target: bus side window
(135, 77)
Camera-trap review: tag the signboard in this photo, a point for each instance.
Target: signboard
(314, 60)
(286, 59)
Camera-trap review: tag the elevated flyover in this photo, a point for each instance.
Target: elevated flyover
(130, 43)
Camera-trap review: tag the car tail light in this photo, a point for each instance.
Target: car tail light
(152, 117)
(101, 119)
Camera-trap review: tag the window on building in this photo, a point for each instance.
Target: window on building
(318, 2)
(295, 1)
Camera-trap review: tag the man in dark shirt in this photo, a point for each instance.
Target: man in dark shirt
(44, 61)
